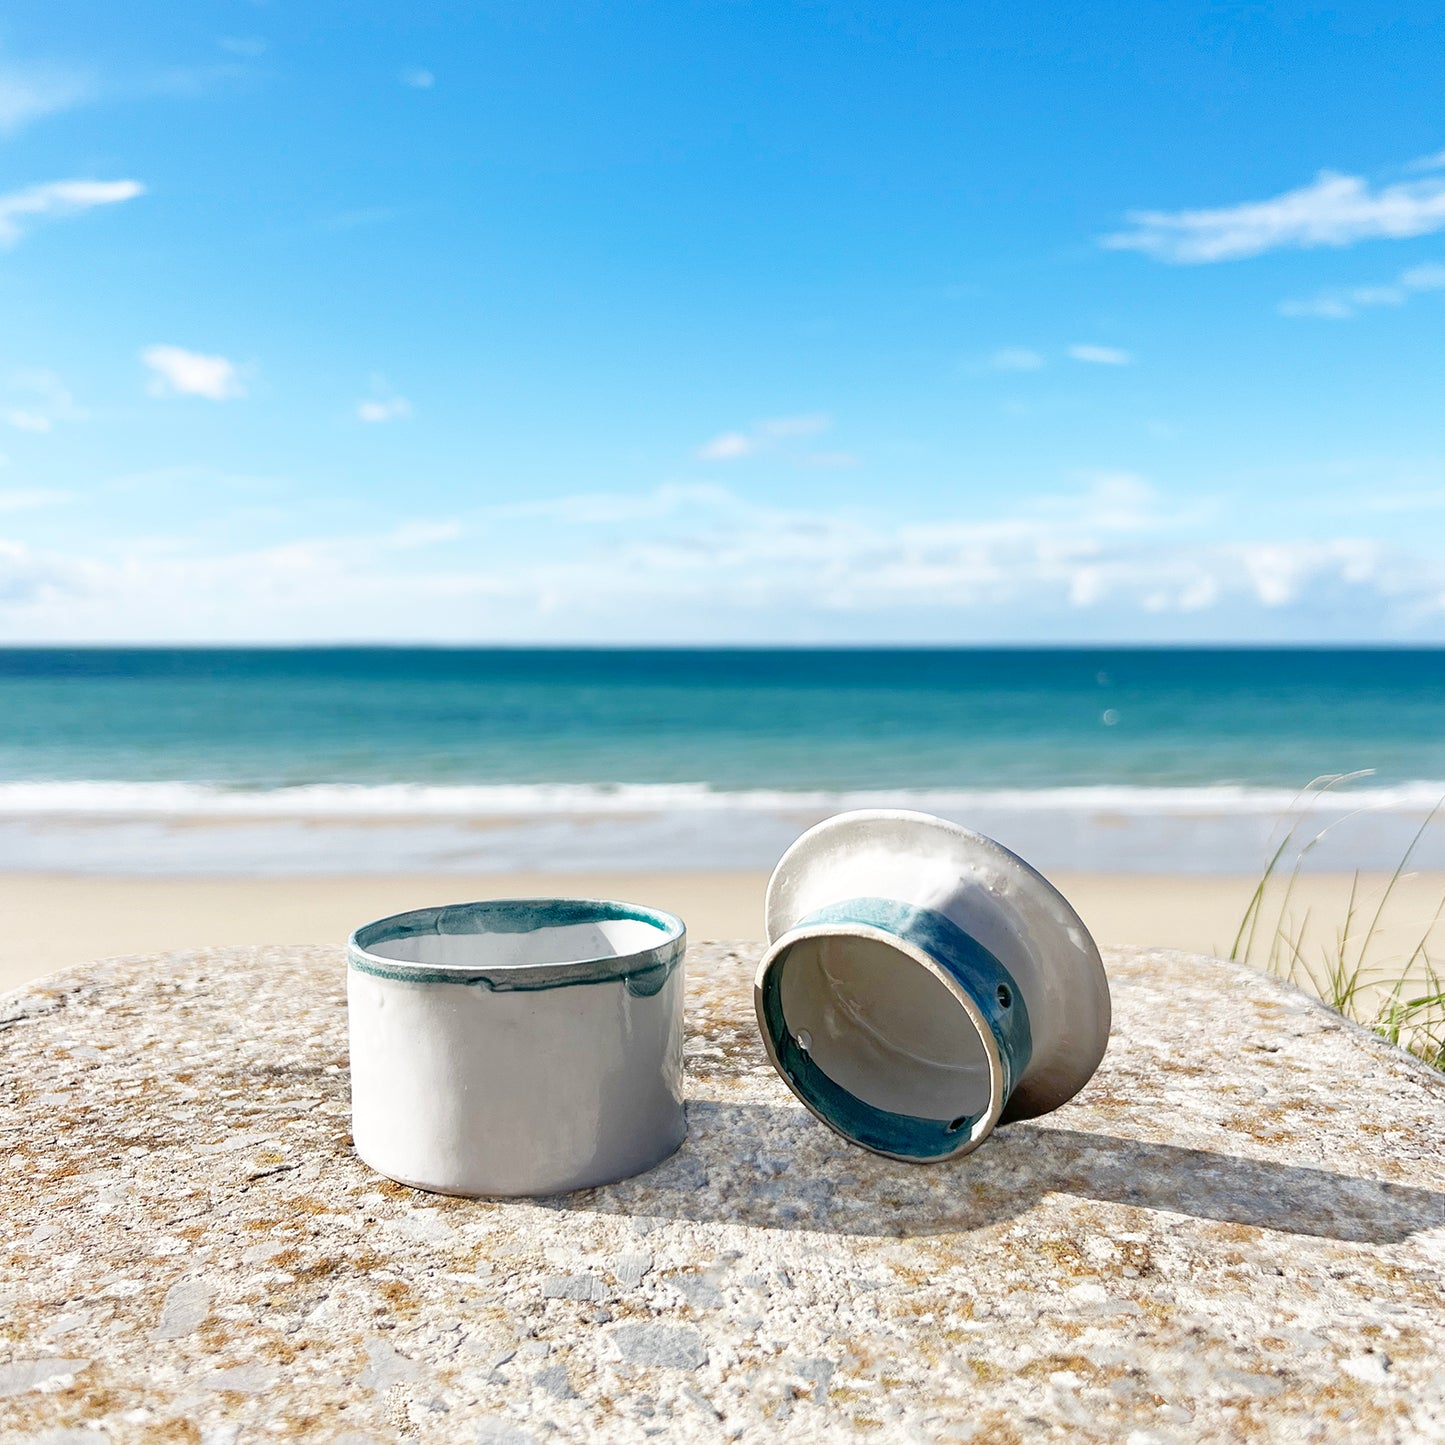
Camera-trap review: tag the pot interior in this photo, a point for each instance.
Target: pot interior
(517, 933)
(883, 1027)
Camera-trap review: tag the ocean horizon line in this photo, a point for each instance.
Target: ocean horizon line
(1364, 645)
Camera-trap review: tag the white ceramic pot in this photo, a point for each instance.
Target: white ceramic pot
(519, 1046)
(923, 984)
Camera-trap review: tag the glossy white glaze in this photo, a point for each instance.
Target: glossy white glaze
(463, 1083)
(989, 893)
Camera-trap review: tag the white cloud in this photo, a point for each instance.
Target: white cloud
(391, 408)
(1110, 558)
(1115, 501)
(1114, 549)
(1340, 304)
(54, 199)
(731, 446)
(727, 446)
(1434, 162)
(1101, 355)
(23, 420)
(29, 93)
(178, 372)
(1015, 358)
(247, 46)
(30, 583)
(128, 592)
(1333, 210)
(418, 79)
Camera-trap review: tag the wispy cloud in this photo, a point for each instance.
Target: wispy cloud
(1015, 358)
(1023, 358)
(30, 583)
(1434, 162)
(189, 82)
(1100, 559)
(30, 92)
(727, 446)
(383, 404)
(1101, 355)
(391, 408)
(1341, 303)
(1333, 210)
(42, 401)
(418, 79)
(178, 372)
(731, 446)
(53, 199)
(142, 583)
(1113, 546)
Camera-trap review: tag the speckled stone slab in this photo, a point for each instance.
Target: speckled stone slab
(1236, 1232)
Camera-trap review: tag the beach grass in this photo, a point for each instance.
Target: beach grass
(1359, 972)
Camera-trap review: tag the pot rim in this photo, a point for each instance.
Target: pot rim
(645, 966)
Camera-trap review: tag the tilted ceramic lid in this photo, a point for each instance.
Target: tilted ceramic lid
(923, 983)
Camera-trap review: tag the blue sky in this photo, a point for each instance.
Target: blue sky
(721, 322)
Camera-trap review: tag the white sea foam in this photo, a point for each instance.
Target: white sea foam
(174, 827)
(360, 802)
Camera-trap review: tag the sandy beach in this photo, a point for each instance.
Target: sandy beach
(57, 920)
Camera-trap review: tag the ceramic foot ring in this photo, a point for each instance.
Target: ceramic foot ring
(923, 984)
(517, 1047)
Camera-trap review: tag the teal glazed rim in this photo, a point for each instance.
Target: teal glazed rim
(644, 971)
(984, 988)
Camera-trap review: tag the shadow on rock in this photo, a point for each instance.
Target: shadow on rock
(774, 1167)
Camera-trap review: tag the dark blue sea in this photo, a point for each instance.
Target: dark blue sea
(336, 759)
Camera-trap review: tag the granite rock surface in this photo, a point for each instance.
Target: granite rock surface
(1237, 1232)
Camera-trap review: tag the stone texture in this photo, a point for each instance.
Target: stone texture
(674, 1347)
(187, 1304)
(1237, 1232)
(574, 1286)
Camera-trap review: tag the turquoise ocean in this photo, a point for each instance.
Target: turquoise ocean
(337, 759)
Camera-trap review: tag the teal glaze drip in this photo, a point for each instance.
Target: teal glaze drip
(648, 982)
(644, 973)
(970, 964)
